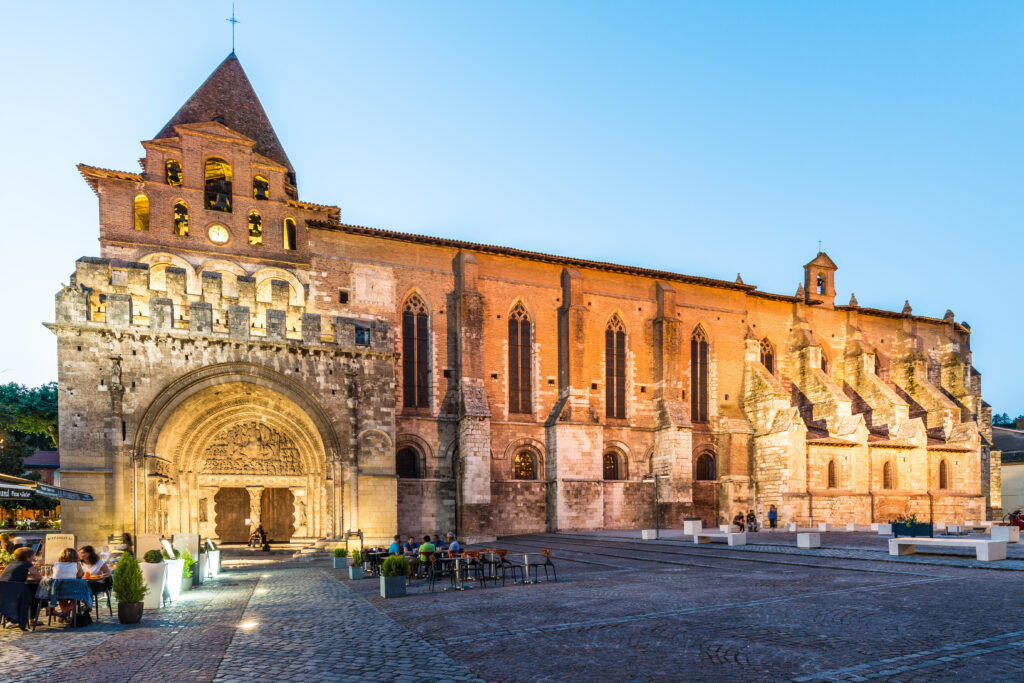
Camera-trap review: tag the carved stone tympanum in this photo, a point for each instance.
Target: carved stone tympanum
(251, 448)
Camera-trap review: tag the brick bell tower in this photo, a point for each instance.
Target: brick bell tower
(819, 281)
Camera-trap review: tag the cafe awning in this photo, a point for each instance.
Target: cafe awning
(19, 485)
(14, 491)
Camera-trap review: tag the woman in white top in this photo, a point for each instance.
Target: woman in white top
(92, 563)
(66, 566)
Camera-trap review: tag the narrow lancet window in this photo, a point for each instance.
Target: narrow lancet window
(289, 234)
(255, 228)
(180, 218)
(615, 368)
(768, 356)
(520, 359)
(141, 212)
(260, 188)
(415, 354)
(173, 169)
(217, 194)
(699, 376)
(524, 466)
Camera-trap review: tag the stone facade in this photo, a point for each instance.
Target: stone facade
(227, 357)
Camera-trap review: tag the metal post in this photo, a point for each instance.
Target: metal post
(657, 507)
(135, 498)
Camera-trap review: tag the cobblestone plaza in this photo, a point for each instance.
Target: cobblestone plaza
(622, 609)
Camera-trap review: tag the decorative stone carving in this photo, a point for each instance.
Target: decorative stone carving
(251, 448)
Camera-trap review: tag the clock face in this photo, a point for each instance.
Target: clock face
(218, 234)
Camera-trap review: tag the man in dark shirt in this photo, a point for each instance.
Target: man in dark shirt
(21, 569)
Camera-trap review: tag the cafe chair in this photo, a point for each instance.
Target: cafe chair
(16, 598)
(100, 589)
(505, 567)
(535, 566)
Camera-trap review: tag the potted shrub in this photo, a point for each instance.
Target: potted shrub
(154, 572)
(355, 571)
(340, 558)
(392, 576)
(129, 588)
(187, 571)
(907, 525)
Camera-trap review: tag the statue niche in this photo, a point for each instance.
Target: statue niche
(251, 448)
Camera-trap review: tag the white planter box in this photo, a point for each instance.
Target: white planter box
(884, 529)
(792, 527)
(175, 573)
(648, 534)
(808, 540)
(691, 527)
(824, 526)
(154, 575)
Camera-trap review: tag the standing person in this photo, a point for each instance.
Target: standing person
(773, 517)
(738, 520)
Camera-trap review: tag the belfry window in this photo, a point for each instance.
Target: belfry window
(768, 355)
(260, 188)
(173, 170)
(255, 228)
(217, 195)
(887, 475)
(141, 212)
(831, 474)
(943, 475)
(821, 284)
(520, 359)
(415, 354)
(615, 368)
(180, 218)
(524, 466)
(613, 469)
(699, 375)
(704, 470)
(288, 236)
(407, 464)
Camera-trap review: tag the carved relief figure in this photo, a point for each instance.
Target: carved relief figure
(251, 448)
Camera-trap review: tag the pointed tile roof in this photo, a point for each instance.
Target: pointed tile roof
(228, 96)
(824, 261)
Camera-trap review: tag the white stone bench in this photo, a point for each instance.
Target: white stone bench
(954, 529)
(648, 534)
(1010, 534)
(883, 529)
(691, 527)
(732, 538)
(808, 540)
(985, 550)
(728, 528)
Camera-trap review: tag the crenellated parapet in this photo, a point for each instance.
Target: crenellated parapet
(119, 296)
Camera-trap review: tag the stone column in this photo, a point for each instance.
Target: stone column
(255, 506)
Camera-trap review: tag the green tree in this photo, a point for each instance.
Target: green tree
(28, 422)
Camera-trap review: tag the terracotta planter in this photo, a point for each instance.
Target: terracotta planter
(129, 612)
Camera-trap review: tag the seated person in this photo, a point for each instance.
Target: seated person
(438, 543)
(93, 566)
(421, 559)
(66, 567)
(6, 544)
(22, 568)
(739, 520)
(395, 547)
(409, 548)
(453, 544)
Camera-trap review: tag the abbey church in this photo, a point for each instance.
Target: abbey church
(237, 356)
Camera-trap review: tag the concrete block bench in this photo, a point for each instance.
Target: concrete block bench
(648, 534)
(883, 529)
(1010, 534)
(691, 527)
(808, 540)
(728, 528)
(984, 549)
(732, 538)
(824, 526)
(792, 527)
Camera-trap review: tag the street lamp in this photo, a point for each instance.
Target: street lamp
(653, 479)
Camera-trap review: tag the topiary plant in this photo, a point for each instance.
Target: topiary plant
(128, 583)
(187, 556)
(396, 565)
(357, 558)
(340, 552)
(153, 557)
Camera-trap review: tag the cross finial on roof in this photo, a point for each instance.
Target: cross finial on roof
(233, 21)
(819, 241)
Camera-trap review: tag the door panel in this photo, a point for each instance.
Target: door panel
(278, 514)
(232, 507)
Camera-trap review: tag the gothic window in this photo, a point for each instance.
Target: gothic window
(141, 212)
(217, 194)
(699, 375)
(615, 368)
(289, 234)
(943, 475)
(407, 463)
(831, 474)
(824, 363)
(520, 358)
(260, 187)
(180, 218)
(768, 355)
(705, 467)
(255, 228)
(887, 475)
(613, 467)
(821, 284)
(173, 169)
(415, 354)
(524, 466)
(878, 365)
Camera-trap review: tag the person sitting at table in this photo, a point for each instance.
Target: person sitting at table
(453, 543)
(22, 568)
(395, 548)
(409, 548)
(92, 564)
(438, 543)
(66, 567)
(6, 544)
(422, 559)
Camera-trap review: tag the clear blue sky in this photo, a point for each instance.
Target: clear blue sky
(705, 138)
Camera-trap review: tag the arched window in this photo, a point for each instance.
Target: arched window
(699, 375)
(705, 467)
(824, 363)
(260, 188)
(255, 228)
(289, 234)
(878, 365)
(943, 475)
(821, 284)
(520, 358)
(831, 474)
(614, 469)
(524, 466)
(217, 195)
(615, 368)
(180, 218)
(173, 170)
(415, 354)
(887, 475)
(768, 355)
(407, 463)
(141, 212)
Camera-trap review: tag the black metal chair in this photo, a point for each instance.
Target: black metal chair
(505, 567)
(99, 589)
(17, 600)
(535, 566)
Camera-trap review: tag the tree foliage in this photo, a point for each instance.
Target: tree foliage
(1004, 420)
(29, 410)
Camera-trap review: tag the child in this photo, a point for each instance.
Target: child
(66, 567)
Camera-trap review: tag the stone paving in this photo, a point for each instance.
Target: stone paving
(622, 609)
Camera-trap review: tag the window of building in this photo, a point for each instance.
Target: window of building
(831, 474)
(255, 228)
(821, 284)
(362, 335)
(289, 234)
(415, 354)
(407, 463)
(141, 212)
(180, 218)
(705, 467)
(217, 194)
(520, 359)
(887, 475)
(342, 296)
(824, 363)
(613, 466)
(260, 188)
(615, 368)
(943, 475)
(768, 355)
(524, 466)
(699, 375)
(173, 171)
